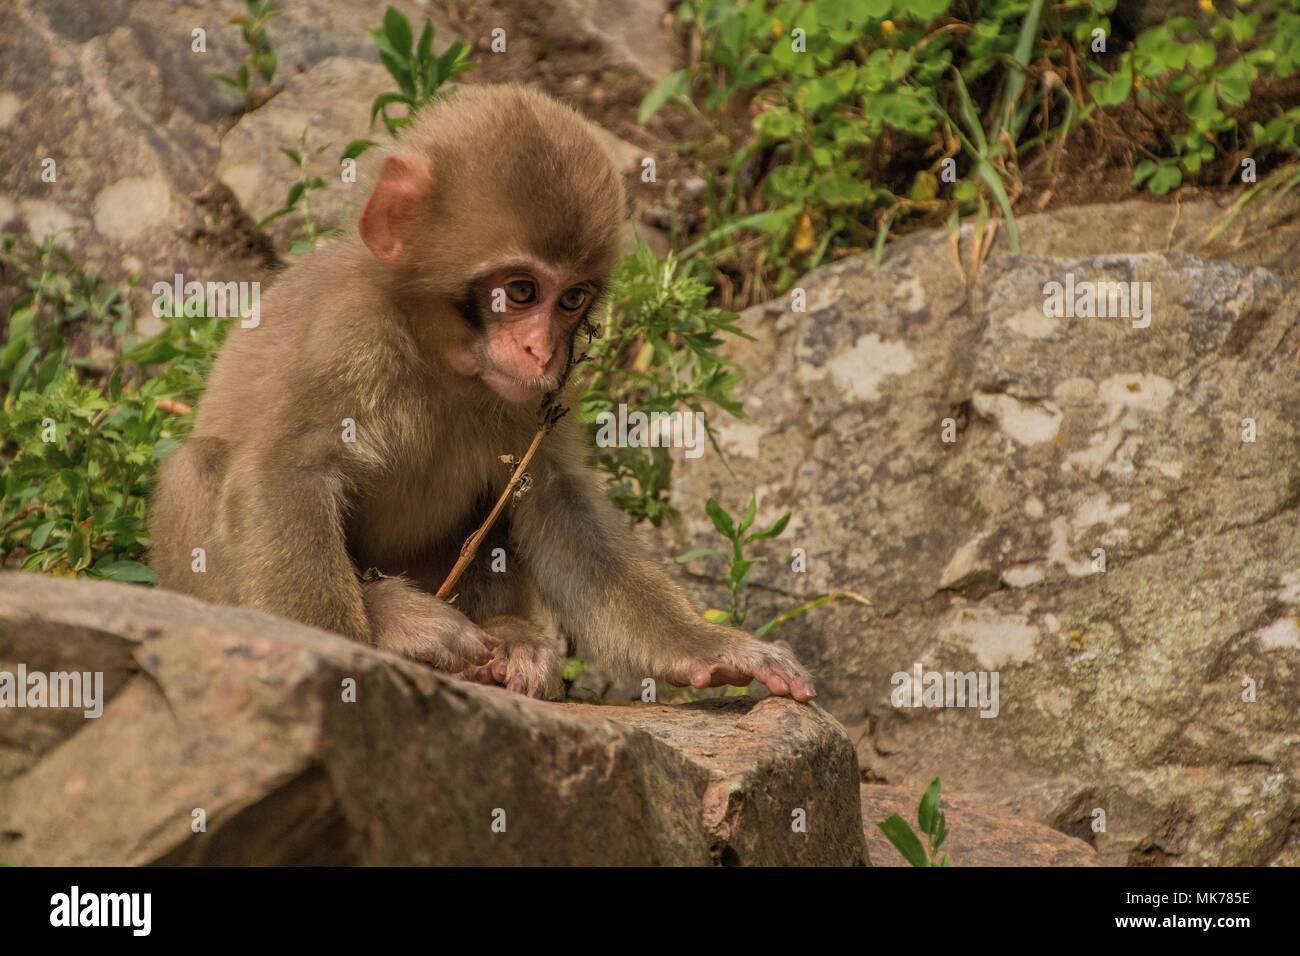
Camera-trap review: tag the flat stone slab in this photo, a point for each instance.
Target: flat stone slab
(233, 737)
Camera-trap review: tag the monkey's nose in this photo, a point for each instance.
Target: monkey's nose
(540, 355)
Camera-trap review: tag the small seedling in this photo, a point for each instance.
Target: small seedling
(260, 61)
(931, 820)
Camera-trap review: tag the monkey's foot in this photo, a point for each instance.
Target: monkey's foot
(774, 668)
(417, 625)
(526, 661)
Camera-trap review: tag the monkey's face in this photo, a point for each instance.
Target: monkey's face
(525, 313)
(497, 226)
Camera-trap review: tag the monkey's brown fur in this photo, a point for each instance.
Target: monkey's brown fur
(289, 515)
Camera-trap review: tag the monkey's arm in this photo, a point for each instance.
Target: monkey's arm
(291, 557)
(284, 531)
(613, 600)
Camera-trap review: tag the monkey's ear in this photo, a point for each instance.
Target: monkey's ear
(403, 185)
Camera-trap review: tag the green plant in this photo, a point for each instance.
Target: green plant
(1278, 134)
(298, 199)
(420, 74)
(1200, 75)
(260, 60)
(740, 563)
(931, 821)
(59, 296)
(78, 449)
(657, 352)
(74, 492)
(840, 90)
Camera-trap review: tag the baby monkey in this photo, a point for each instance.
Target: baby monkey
(349, 443)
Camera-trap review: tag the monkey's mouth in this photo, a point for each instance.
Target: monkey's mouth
(515, 389)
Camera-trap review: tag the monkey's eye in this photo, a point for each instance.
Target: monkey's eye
(521, 291)
(574, 299)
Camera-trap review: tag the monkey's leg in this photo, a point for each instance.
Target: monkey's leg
(412, 622)
(186, 551)
(527, 660)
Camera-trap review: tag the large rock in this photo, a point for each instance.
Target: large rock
(240, 719)
(151, 178)
(131, 191)
(331, 103)
(1120, 691)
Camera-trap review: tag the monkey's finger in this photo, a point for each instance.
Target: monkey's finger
(796, 683)
(471, 648)
(500, 670)
(775, 683)
(517, 684)
(801, 685)
(478, 675)
(803, 690)
(716, 675)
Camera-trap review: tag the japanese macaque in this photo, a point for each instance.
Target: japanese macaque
(350, 442)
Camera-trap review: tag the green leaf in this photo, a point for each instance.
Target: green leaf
(739, 570)
(19, 376)
(400, 72)
(1166, 178)
(927, 810)
(720, 518)
(793, 613)
(356, 148)
(1233, 83)
(676, 85)
(382, 100)
(1117, 86)
(165, 447)
(424, 49)
(695, 554)
(1201, 55)
(900, 834)
(398, 31)
(41, 534)
(1201, 102)
(941, 828)
(454, 61)
(574, 667)
(133, 572)
(773, 532)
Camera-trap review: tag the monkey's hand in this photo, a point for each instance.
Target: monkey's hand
(526, 660)
(415, 624)
(738, 659)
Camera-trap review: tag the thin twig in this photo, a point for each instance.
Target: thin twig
(469, 549)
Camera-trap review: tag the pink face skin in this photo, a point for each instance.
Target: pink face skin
(525, 345)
